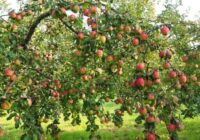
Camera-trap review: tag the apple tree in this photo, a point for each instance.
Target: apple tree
(70, 58)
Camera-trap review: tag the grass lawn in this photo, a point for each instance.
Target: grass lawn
(109, 132)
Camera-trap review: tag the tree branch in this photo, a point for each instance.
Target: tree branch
(3, 19)
(8, 87)
(40, 18)
(68, 26)
(33, 27)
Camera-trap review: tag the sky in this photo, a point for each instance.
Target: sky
(189, 6)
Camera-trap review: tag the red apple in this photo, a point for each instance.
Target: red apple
(157, 81)
(193, 78)
(143, 36)
(63, 10)
(171, 127)
(99, 53)
(142, 111)
(182, 79)
(8, 72)
(93, 34)
(93, 25)
(82, 70)
(140, 66)
(168, 54)
(150, 96)
(119, 36)
(156, 74)
(13, 77)
(57, 94)
(164, 30)
(77, 52)
(172, 74)
(85, 77)
(110, 58)
(135, 41)
(132, 83)
(162, 54)
(12, 14)
(150, 119)
(149, 82)
(93, 9)
(86, 12)
(166, 65)
(80, 35)
(140, 82)
(151, 136)
(72, 17)
(18, 17)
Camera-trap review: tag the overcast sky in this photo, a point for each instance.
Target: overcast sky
(189, 6)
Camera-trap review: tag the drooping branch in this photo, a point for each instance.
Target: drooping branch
(43, 16)
(33, 27)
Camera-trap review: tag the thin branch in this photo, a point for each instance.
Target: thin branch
(4, 15)
(68, 26)
(3, 19)
(8, 87)
(41, 73)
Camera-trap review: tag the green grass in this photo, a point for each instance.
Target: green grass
(129, 131)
